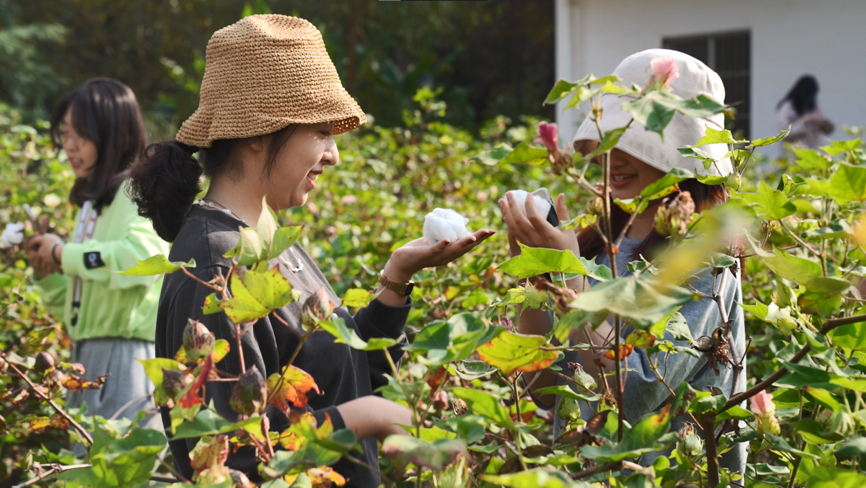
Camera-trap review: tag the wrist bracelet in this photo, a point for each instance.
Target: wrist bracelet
(54, 254)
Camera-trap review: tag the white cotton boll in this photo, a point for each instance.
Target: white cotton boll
(443, 223)
(541, 204)
(12, 235)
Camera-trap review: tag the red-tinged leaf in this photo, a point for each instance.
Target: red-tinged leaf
(517, 352)
(290, 387)
(209, 452)
(190, 398)
(59, 422)
(39, 424)
(77, 383)
(624, 350)
(641, 339)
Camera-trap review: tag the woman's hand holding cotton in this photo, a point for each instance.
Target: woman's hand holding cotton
(527, 225)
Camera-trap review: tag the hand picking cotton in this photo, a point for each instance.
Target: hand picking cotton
(444, 223)
(541, 204)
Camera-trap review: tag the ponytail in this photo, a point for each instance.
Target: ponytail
(164, 184)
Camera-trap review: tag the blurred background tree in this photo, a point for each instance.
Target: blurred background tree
(489, 58)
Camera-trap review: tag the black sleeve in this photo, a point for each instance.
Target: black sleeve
(261, 350)
(380, 320)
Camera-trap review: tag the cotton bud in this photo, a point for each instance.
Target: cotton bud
(317, 307)
(583, 378)
(569, 409)
(542, 205)
(688, 442)
(44, 362)
(765, 413)
(444, 223)
(459, 407)
(198, 341)
(781, 318)
(440, 400)
(174, 381)
(249, 393)
(596, 207)
(840, 423)
(51, 200)
(12, 235)
(674, 219)
(734, 181)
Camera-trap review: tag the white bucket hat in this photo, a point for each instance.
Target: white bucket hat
(695, 79)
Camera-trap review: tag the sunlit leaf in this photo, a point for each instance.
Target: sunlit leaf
(517, 352)
(156, 265)
(292, 386)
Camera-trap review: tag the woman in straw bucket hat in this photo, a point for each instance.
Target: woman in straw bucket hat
(640, 158)
(271, 102)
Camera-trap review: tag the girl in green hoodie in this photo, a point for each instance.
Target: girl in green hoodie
(110, 316)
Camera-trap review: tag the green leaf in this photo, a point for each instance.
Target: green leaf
(534, 261)
(790, 267)
(766, 141)
(249, 248)
(851, 448)
(492, 157)
(851, 337)
(713, 136)
(677, 327)
(484, 404)
(344, 335)
(119, 462)
(810, 160)
(469, 370)
(665, 185)
(647, 435)
(561, 90)
(517, 352)
(403, 450)
(576, 320)
(256, 294)
(155, 265)
(823, 397)
(284, 238)
(772, 203)
(357, 298)
(454, 340)
(525, 154)
(720, 261)
(608, 142)
(207, 422)
(535, 478)
(759, 310)
(211, 305)
(650, 113)
(848, 184)
(695, 153)
(565, 391)
(839, 147)
(643, 299)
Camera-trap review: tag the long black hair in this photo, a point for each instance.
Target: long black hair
(106, 113)
(803, 95)
(165, 181)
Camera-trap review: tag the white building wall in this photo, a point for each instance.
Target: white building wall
(789, 38)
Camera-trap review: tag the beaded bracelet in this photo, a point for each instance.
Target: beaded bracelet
(54, 254)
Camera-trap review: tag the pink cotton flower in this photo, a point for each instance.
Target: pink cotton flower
(665, 71)
(762, 403)
(548, 134)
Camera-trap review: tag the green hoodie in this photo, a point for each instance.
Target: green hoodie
(112, 305)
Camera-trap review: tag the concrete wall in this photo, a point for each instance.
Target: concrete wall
(789, 38)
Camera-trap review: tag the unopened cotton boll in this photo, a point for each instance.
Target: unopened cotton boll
(444, 223)
(541, 204)
(12, 235)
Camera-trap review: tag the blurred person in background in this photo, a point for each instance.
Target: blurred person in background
(111, 317)
(799, 110)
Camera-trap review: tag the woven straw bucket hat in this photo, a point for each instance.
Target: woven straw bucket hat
(264, 73)
(695, 79)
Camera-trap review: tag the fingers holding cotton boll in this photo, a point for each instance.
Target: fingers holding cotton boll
(541, 204)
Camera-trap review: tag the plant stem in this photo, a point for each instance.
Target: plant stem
(513, 386)
(59, 410)
(708, 423)
(586, 473)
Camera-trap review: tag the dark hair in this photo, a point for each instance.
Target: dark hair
(803, 94)
(704, 196)
(165, 181)
(106, 113)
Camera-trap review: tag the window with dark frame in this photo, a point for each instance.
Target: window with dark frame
(730, 55)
